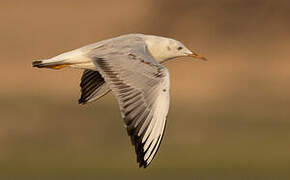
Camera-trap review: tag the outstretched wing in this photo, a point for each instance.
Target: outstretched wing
(142, 89)
(93, 86)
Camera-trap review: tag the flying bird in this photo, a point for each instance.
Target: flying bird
(130, 67)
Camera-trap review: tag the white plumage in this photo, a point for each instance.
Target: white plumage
(129, 66)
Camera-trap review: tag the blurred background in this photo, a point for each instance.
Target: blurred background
(229, 117)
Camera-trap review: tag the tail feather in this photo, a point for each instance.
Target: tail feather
(75, 58)
(49, 64)
(38, 64)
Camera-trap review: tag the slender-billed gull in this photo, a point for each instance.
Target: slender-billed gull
(130, 67)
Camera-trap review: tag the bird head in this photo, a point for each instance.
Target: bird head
(163, 49)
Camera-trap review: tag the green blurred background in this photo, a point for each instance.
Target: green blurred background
(229, 117)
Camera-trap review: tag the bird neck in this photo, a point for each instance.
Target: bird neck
(158, 49)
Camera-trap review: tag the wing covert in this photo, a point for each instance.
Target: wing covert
(142, 89)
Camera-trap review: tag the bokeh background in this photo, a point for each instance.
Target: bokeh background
(229, 117)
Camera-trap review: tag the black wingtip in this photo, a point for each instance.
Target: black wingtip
(143, 165)
(141, 161)
(37, 64)
(82, 101)
(140, 152)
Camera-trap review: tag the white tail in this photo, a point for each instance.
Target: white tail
(75, 58)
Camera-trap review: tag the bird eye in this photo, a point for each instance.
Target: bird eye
(179, 48)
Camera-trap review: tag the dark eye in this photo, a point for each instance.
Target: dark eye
(179, 48)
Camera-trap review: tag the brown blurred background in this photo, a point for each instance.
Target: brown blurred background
(229, 117)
